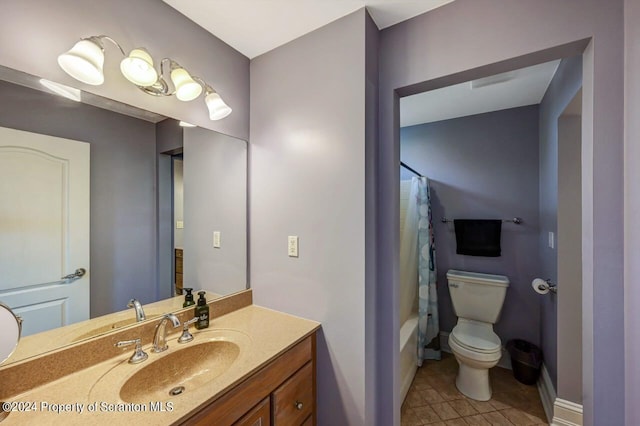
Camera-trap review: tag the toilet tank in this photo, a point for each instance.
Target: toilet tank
(477, 296)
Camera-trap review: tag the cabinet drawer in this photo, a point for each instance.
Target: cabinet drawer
(260, 415)
(293, 401)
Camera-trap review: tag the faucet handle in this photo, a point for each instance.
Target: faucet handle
(186, 336)
(139, 355)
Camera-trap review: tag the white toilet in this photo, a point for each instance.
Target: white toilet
(477, 301)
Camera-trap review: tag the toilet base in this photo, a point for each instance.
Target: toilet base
(473, 382)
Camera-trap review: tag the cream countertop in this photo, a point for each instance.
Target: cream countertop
(266, 334)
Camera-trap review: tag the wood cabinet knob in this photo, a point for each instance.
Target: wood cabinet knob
(298, 405)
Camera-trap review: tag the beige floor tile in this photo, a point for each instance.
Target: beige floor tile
(517, 417)
(426, 414)
(414, 399)
(445, 411)
(463, 407)
(439, 381)
(537, 416)
(434, 400)
(499, 401)
(450, 392)
(409, 418)
(517, 400)
(421, 383)
(481, 406)
(476, 420)
(431, 396)
(495, 418)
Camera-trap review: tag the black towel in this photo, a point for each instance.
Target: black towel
(476, 237)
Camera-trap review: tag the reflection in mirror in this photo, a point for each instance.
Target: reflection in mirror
(113, 171)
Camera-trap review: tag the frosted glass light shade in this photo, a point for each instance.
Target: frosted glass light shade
(84, 62)
(138, 68)
(217, 108)
(187, 89)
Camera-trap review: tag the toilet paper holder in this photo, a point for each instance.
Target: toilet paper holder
(545, 285)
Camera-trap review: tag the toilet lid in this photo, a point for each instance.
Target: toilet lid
(476, 337)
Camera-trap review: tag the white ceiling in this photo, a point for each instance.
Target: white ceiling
(254, 27)
(522, 87)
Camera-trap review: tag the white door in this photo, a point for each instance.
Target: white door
(44, 228)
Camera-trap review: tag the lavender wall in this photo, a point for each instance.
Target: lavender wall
(441, 48)
(123, 197)
(485, 166)
(308, 179)
(373, 392)
(34, 32)
(632, 209)
(215, 199)
(564, 86)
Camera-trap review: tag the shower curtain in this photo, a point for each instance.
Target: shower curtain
(419, 250)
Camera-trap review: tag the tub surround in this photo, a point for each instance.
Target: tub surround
(68, 375)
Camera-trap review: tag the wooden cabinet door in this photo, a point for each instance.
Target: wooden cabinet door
(260, 415)
(293, 400)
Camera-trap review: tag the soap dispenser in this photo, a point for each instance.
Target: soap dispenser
(202, 311)
(188, 298)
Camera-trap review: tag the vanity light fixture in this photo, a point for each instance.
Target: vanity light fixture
(85, 61)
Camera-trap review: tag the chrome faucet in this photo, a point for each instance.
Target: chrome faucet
(140, 316)
(160, 338)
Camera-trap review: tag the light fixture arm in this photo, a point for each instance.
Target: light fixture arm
(98, 40)
(202, 83)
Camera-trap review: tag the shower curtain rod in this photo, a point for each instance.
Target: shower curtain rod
(402, 164)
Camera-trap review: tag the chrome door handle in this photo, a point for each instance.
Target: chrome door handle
(79, 273)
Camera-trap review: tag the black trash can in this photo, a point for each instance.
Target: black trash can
(526, 360)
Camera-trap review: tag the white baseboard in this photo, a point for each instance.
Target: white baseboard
(560, 411)
(505, 360)
(566, 413)
(547, 392)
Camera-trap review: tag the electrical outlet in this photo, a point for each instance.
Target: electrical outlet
(293, 246)
(216, 239)
(179, 224)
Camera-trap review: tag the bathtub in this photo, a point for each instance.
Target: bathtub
(408, 353)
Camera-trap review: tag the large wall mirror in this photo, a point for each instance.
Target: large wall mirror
(136, 203)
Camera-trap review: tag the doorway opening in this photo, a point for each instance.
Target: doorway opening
(493, 148)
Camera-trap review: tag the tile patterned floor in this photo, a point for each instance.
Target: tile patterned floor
(434, 400)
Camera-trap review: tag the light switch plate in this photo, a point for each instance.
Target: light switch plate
(552, 240)
(293, 246)
(179, 224)
(216, 239)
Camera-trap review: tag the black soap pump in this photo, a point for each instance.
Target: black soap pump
(188, 298)
(202, 311)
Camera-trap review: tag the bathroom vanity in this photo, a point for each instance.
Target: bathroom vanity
(252, 366)
(283, 391)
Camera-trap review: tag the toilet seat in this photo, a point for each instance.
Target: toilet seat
(476, 337)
